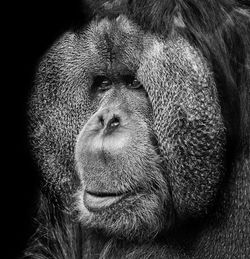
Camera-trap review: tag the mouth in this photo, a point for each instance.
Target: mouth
(96, 201)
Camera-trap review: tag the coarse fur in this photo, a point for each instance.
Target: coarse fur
(182, 154)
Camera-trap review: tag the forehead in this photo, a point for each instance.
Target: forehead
(119, 47)
(112, 35)
(113, 46)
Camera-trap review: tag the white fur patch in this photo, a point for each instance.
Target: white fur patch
(178, 21)
(194, 60)
(111, 4)
(125, 25)
(156, 49)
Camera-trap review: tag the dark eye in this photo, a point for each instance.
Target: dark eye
(132, 82)
(102, 83)
(136, 84)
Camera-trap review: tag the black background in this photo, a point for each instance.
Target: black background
(32, 26)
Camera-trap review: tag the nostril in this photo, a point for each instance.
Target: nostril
(112, 124)
(101, 120)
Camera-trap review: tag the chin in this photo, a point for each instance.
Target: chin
(134, 216)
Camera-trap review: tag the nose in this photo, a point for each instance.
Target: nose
(109, 121)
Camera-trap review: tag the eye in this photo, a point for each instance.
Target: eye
(102, 83)
(135, 84)
(132, 82)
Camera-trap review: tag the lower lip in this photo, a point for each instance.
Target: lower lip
(97, 203)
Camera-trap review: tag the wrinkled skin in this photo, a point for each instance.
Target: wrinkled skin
(166, 156)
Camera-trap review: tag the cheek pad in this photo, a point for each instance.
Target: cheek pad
(187, 121)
